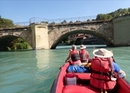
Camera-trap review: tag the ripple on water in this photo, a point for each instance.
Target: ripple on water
(34, 71)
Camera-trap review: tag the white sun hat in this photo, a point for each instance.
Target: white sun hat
(82, 47)
(102, 52)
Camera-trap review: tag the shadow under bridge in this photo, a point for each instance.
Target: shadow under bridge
(94, 33)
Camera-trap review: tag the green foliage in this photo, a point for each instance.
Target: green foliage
(44, 22)
(67, 42)
(128, 10)
(18, 44)
(53, 23)
(88, 20)
(5, 23)
(110, 16)
(64, 22)
(104, 17)
(71, 22)
(93, 19)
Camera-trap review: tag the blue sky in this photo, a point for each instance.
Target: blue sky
(23, 10)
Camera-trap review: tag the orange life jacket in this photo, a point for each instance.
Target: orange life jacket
(101, 73)
(74, 55)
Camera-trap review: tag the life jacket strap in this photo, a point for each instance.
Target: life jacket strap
(102, 73)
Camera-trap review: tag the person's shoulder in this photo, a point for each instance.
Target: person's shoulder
(77, 50)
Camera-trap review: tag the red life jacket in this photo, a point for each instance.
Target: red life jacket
(74, 55)
(83, 55)
(101, 73)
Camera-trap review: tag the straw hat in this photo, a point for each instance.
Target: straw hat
(82, 47)
(102, 53)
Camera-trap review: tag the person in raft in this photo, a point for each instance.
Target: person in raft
(74, 59)
(84, 56)
(102, 66)
(73, 56)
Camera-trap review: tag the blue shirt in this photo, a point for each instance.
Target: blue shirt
(116, 67)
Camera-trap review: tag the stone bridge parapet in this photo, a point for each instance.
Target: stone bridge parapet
(101, 29)
(47, 36)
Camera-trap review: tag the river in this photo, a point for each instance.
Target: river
(34, 71)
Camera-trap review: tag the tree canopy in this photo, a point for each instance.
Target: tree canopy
(5, 23)
(117, 13)
(17, 44)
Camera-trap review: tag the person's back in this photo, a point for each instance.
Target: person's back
(74, 55)
(75, 62)
(84, 55)
(101, 65)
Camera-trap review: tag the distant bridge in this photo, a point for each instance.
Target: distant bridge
(47, 35)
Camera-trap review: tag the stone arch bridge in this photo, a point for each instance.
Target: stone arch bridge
(101, 29)
(47, 36)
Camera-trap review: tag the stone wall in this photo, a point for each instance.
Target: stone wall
(121, 31)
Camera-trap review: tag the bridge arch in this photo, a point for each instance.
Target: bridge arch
(5, 41)
(94, 33)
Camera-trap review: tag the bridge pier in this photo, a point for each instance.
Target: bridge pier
(40, 36)
(121, 31)
(47, 36)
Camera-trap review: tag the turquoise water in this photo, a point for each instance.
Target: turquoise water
(34, 71)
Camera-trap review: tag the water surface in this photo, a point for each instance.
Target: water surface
(34, 71)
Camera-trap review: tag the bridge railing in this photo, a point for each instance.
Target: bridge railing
(62, 20)
(37, 20)
(56, 21)
(74, 19)
(21, 24)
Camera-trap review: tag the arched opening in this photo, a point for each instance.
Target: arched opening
(95, 34)
(7, 43)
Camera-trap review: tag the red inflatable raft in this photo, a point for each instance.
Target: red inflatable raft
(80, 83)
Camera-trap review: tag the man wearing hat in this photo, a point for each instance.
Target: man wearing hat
(102, 68)
(104, 53)
(84, 55)
(74, 58)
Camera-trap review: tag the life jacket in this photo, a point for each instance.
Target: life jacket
(74, 55)
(101, 73)
(83, 55)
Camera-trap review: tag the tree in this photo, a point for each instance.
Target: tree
(100, 17)
(117, 13)
(129, 10)
(64, 22)
(70, 22)
(5, 23)
(18, 44)
(88, 20)
(53, 23)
